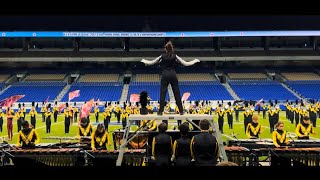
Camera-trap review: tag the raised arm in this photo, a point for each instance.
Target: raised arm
(185, 63)
(152, 62)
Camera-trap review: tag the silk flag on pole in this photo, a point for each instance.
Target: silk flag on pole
(134, 98)
(9, 101)
(74, 94)
(185, 96)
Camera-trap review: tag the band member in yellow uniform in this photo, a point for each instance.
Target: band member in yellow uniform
(230, 115)
(305, 128)
(220, 111)
(20, 117)
(313, 113)
(1, 119)
(24, 110)
(117, 111)
(254, 128)
(124, 118)
(75, 112)
(264, 110)
(237, 109)
(67, 119)
(279, 136)
(96, 112)
(27, 137)
(33, 116)
(106, 117)
(48, 115)
(247, 116)
(85, 130)
(55, 112)
(181, 147)
(150, 125)
(100, 138)
(43, 112)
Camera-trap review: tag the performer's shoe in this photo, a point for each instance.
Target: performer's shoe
(159, 113)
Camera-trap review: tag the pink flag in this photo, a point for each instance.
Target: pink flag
(134, 98)
(86, 108)
(98, 102)
(9, 101)
(185, 96)
(62, 106)
(74, 94)
(258, 103)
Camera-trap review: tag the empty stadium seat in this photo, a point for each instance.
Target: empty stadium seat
(100, 78)
(247, 76)
(295, 76)
(153, 89)
(308, 89)
(45, 77)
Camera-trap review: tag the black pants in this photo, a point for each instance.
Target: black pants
(1, 123)
(237, 116)
(106, 122)
(33, 122)
(75, 118)
(66, 125)
(271, 124)
(48, 124)
(19, 123)
(118, 117)
(296, 117)
(220, 122)
(55, 116)
(43, 117)
(264, 114)
(170, 77)
(162, 161)
(230, 121)
(124, 122)
(313, 119)
(97, 117)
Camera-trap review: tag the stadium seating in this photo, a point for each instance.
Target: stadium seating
(255, 90)
(297, 76)
(247, 76)
(148, 78)
(100, 78)
(34, 91)
(195, 77)
(308, 89)
(105, 91)
(45, 77)
(205, 90)
(2, 85)
(4, 77)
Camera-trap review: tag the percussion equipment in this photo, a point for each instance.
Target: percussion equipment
(237, 154)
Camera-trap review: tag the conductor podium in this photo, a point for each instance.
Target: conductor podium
(128, 137)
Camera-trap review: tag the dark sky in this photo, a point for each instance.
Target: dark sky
(158, 22)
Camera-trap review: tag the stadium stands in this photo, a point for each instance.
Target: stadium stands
(195, 77)
(100, 78)
(45, 77)
(298, 76)
(247, 76)
(4, 77)
(205, 90)
(2, 85)
(308, 89)
(105, 91)
(255, 90)
(148, 78)
(34, 91)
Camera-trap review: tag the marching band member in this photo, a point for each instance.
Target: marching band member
(279, 136)
(10, 116)
(247, 116)
(33, 115)
(151, 125)
(254, 128)
(43, 111)
(230, 116)
(237, 109)
(27, 137)
(100, 139)
(55, 111)
(272, 117)
(220, 111)
(181, 147)
(85, 129)
(264, 110)
(96, 112)
(106, 117)
(75, 112)
(204, 147)
(67, 118)
(305, 128)
(313, 114)
(48, 115)
(124, 117)
(162, 146)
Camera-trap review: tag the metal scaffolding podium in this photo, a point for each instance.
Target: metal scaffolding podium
(170, 117)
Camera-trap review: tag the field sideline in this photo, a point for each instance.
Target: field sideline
(57, 129)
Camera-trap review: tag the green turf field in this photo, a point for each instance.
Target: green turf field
(57, 129)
